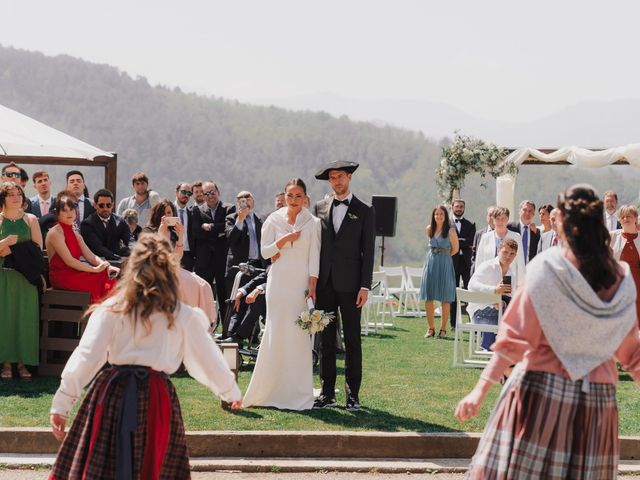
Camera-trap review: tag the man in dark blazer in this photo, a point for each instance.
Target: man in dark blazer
(527, 229)
(76, 185)
(185, 214)
(43, 201)
(209, 223)
(462, 260)
(346, 268)
(106, 234)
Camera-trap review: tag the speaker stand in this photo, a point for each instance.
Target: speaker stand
(382, 249)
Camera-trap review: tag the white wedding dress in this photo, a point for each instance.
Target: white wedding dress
(283, 375)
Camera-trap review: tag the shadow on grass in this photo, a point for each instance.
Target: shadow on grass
(368, 419)
(37, 387)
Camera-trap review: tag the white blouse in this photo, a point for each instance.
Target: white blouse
(111, 337)
(618, 242)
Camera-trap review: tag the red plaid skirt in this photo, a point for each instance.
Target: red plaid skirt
(89, 449)
(545, 426)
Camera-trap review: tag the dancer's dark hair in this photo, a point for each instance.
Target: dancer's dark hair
(583, 225)
(445, 227)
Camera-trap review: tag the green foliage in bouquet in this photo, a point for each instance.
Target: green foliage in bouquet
(467, 155)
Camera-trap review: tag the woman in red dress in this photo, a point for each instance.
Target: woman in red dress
(625, 245)
(65, 246)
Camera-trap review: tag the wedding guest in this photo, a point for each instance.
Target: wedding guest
(142, 200)
(466, 231)
(557, 415)
(438, 276)
(19, 305)
(159, 223)
(479, 233)
(543, 213)
(279, 201)
(552, 237)
(76, 185)
(24, 178)
(198, 193)
(625, 245)
(185, 214)
(131, 217)
(529, 233)
(42, 202)
(488, 246)
(65, 246)
(13, 173)
(490, 278)
(610, 205)
(129, 424)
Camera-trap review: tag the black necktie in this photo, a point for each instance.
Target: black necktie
(337, 202)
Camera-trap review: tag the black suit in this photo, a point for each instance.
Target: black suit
(88, 209)
(243, 323)
(534, 238)
(346, 266)
(112, 241)
(238, 242)
(462, 259)
(211, 248)
(35, 205)
(188, 256)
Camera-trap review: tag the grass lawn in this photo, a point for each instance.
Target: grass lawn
(408, 385)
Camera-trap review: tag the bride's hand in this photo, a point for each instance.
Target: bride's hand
(236, 405)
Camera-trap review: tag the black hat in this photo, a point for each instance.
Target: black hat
(348, 167)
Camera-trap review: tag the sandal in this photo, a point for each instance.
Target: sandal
(442, 334)
(23, 373)
(7, 373)
(430, 333)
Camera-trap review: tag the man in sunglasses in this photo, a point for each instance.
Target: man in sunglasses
(106, 234)
(185, 214)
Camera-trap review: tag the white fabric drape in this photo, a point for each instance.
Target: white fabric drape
(581, 157)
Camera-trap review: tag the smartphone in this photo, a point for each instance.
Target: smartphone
(171, 221)
(506, 279)
(242, 203)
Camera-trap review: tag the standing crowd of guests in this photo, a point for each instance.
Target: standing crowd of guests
(72, 241)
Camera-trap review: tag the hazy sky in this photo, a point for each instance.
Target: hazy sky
(509, 60)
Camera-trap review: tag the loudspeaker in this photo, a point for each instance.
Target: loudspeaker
(386, 215)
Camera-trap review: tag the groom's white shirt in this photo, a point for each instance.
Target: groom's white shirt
(339, 212)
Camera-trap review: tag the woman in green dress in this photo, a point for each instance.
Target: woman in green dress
(19, 307)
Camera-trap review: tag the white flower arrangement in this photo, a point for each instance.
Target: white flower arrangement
(314, 321)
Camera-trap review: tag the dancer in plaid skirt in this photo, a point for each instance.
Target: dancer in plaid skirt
(129, 424)
(557, 416)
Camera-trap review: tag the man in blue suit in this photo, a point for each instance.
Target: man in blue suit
(42, 202)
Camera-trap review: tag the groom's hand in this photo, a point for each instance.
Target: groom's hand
(362, 298)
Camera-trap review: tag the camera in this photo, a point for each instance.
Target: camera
(242, 203)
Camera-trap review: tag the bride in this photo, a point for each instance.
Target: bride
(283, 375)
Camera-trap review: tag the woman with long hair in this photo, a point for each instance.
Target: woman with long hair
(438, 277)
(65, 247)
(556, 416)
(19, 305)
(129, 424)
(283, 375)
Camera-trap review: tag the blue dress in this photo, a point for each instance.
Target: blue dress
(438, 277)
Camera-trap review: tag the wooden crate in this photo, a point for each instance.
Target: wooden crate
(61, 325)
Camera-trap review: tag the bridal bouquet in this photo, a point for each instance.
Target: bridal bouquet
(314, 321)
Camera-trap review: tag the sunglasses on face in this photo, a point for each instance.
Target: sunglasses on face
(210, 194)
(12, 174)
(185, 192)
(105, 205)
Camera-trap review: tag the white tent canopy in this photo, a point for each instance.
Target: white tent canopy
(22, 136)
(581, 157)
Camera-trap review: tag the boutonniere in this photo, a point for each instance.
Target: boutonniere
(352, 216)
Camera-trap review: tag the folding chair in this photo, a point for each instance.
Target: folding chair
(395, 288)
(412, 279)
(377, 304)
(472, 355)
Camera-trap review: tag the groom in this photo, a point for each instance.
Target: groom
(346, 266)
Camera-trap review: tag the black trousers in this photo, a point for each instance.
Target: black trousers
(244, 320)
(232, 317)
(188, 261)
(330, 301)
(462, 269)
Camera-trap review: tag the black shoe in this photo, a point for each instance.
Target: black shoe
(324, 402)
(353, 405)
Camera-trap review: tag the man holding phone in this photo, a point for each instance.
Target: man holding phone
(493, 276)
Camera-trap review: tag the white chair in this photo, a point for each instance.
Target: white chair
(395, 285)
(472, 355)
(412, 278)
(377, 306)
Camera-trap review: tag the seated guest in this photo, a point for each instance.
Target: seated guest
(551, 238)
(625, 245)
(611, 220)
(247, 311)
(529, 233)
(42, 202)
(65, 247)
(77, 187)
(545, 223)
(479, 233)
(19, 305)
(107, 235)
(131, 217)
(15, 174)
(488, 246)
(490, 278)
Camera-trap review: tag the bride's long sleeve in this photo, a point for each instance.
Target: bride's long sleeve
(268, 247)
(314, 249)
